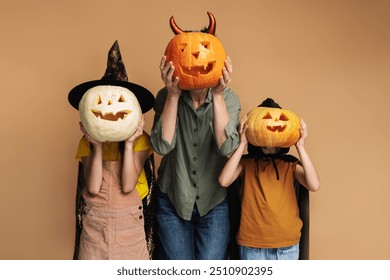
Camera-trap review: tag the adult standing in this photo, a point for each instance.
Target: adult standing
(195, 131)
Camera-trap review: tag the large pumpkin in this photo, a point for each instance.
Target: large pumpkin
(110, 113)
(272, 127)
(198, 57)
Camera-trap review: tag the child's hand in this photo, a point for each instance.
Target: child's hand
(242, 130)
(89, 138)
(303, 132)
(138, 132)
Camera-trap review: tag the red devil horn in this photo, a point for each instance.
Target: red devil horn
(174, 27)
(212, 25)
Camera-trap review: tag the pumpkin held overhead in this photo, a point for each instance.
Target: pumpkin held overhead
(198, 57)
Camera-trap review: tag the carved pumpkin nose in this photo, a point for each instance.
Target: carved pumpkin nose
(196, 54)
(109, 102)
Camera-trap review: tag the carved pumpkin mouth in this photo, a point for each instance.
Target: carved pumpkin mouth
(198, 70)
(110, 116)
(278, 128)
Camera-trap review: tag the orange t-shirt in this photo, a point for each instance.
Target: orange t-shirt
(269, 209)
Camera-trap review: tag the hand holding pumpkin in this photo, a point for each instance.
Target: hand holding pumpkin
(242, 130)
(167, 69)
(138, 132)
(226, 77)
(303, 134)
(93, 142)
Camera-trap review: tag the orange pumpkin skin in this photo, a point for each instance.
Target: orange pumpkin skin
(272, 127)
(198, 59)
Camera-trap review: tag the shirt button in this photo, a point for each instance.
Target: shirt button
(194, 159)
(195, 144)
(140, 217)
(197, 197)
(194, 172)
(140, 207)
(196, 130)
(194, 185)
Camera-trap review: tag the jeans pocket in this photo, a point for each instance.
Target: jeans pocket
(289, 253)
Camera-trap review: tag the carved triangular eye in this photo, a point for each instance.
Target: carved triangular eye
(121, 99)
(98, 100)
(267, 116)
(283, 117)
(182, 47)
(206, 44)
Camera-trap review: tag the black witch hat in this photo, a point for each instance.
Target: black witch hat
(115, 75)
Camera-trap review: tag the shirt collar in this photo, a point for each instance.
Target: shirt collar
(186, 96)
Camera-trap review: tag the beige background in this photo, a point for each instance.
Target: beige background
(327, 60)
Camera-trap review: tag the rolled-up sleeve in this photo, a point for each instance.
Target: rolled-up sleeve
(160, 145)
(232, 136)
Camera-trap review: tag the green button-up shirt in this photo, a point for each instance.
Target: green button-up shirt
(191, 164)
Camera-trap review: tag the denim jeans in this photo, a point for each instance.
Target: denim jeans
(201, 238)
(282, 253)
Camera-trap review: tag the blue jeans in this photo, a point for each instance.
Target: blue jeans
(201, 238)
(282, 253)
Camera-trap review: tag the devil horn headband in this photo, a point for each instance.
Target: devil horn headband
(210, 29)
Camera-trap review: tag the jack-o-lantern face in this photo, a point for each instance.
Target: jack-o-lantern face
(110, 113)
(198, 57)
(272, 127)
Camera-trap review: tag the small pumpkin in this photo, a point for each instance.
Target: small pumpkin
(198, 57)
(272, 127)
(110, 113)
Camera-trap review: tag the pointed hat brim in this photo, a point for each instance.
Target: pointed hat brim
(144, 96)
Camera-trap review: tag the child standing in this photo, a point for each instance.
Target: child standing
(270, 227)
(113, 222)
(114, 179)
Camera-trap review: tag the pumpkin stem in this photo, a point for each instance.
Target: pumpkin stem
(212, 25)
(174, 26)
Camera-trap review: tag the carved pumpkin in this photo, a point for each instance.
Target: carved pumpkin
(272, 127)
(111, 108)
(198, 57)
(110, 113)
